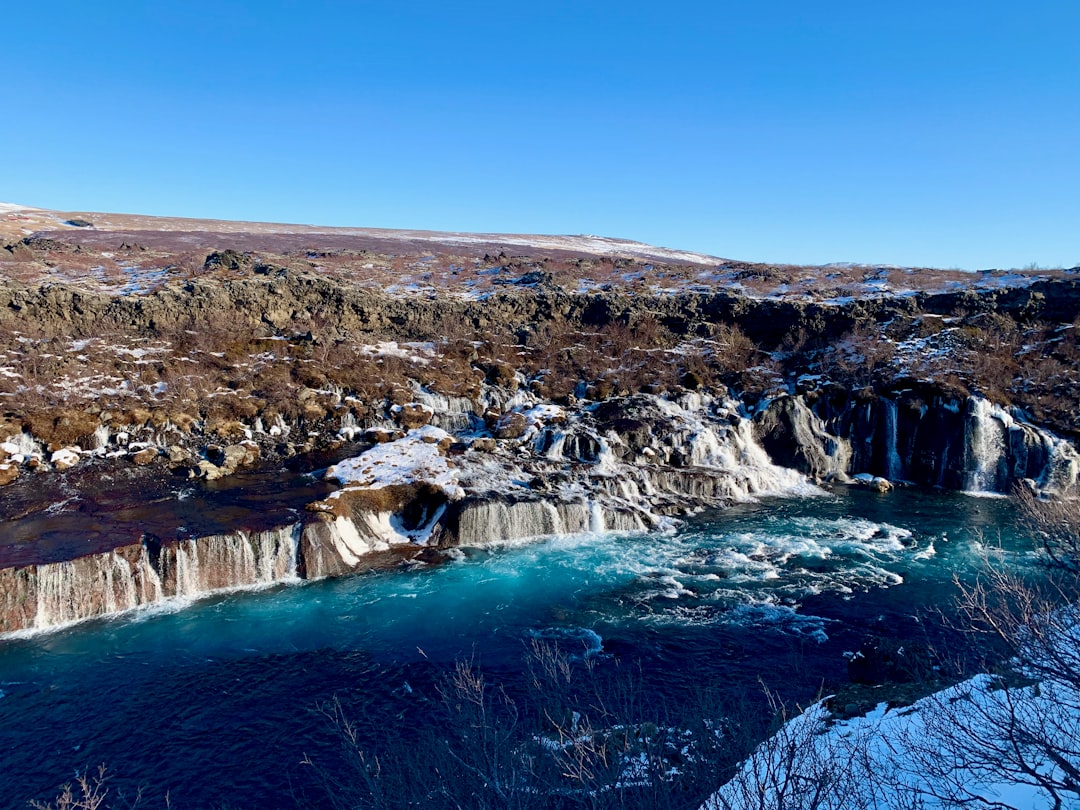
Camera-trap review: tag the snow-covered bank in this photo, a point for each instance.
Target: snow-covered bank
(976, 744)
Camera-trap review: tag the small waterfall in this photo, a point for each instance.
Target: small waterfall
(186, 572)
(597, 521)
(1062, 469)
(753, 466)
(55, 594)
(100, 440)
(984, 445)
(550, 444)
(707, 451)
(349, 427)
(488, 521)
(22, 446)
(893, 465)
(97, 585)
(452, 414)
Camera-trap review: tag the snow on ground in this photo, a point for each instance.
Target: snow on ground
(949, 749)
(412, 458)
(11, 208)
(421, 353)
(587, 243)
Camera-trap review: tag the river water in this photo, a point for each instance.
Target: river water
(215, 703)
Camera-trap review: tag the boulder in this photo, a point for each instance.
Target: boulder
(413, 415)
(511, 426)
(65, 458)
(236, 456)
(178, 455)
(208, 470)
(8, 473)
(382, 436)
(145, 456)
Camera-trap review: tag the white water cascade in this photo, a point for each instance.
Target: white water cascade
(984, 445)
(51, 595)
(893, 465)
(493, 521)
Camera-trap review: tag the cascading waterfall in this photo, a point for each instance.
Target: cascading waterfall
(893, 465)
(22, 446)
(597, 523)
(984, 445)
(496, 520)
(100, 441)
(349, 427)
(58, 594)
(453, 414)
(1062, 469)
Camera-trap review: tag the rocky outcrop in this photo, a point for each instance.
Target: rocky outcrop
(965, 444)
(280, 297)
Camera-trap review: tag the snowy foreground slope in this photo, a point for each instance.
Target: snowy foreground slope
(975, 744)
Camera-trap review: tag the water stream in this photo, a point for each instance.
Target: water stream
(213, 701)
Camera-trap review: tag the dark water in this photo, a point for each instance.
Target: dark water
(215, 703)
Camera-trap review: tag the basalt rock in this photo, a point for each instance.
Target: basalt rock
(967, 444)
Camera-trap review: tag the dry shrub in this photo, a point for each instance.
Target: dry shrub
(61, 427)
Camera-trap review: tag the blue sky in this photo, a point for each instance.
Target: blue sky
(944, 133)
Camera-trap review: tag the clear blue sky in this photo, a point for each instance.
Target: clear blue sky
(944, 133)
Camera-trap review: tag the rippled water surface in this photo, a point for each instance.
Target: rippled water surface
(214, 702)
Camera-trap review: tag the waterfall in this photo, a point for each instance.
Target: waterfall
(984, 445)
(100, 440)
(597, 522)
(96, 585)
(452, 414)
(550, 444)
(1062, 468)
(489, 521)
(349, 426)
(893, 465)
(21, 446)
(51, 595)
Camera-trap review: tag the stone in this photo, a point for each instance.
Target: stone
(178, 455)
(65, 458)
(209, 471)
(382, 436)
(511, 426)
(145, 456)
(413, 415)
(236, 456)
(881, 484)
(8, 473)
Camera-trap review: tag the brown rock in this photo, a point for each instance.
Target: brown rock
(8, 473)
(144, 457)
(208, 470)
(178, 455)
(413, 415)
(380, 436)
(511, 426)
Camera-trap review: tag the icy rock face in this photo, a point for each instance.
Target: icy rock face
(56, 594)
(970, 445)
(796, 437)
(618, 466)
